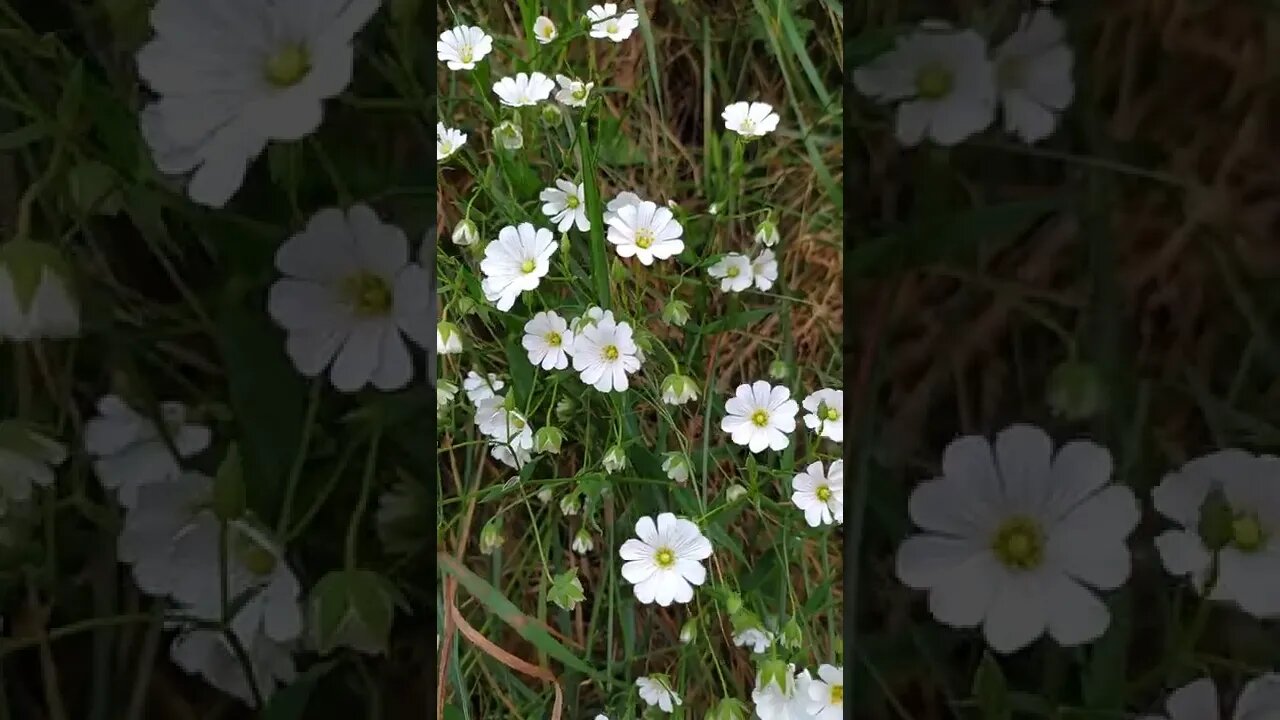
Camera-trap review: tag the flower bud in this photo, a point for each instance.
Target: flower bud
(566, 589)
(679, 389)
(779, 370)
(728, 709)
(615, 459)
(732, 603)
(351, 608)
(791, 636)
(714, 209)
(548, 440)
(571, 503)
(448, 339)
(676, 313)
(544, 31)
(777, 672)
(36, 298)
(689, 631)
(676, 466)
(767, 233)
(735, 492)
(445, 393)
(491, 535)
(466, 233)
(1076, 391)
(544, 495)
(582, 543)
(509, 135)
(551, 113)
(565, 408)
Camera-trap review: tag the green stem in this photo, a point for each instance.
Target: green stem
(299, 459)
(366, 484)
(599, 261)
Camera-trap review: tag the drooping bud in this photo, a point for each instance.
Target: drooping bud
(36, 296)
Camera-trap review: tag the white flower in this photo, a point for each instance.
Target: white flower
(582, 542)
(734, 272)
(524, 89)
(573, 93)
(445, 392)
(943, 80)
(663, 561)
(773, 701)
(1016, 536)
(826, 694)
(764, 270)
(820, 494)
(232, 76)
(825, 413)
(604, 354)
(509, 135)
(758, 638)
(478, 387)
(448, 141)
(515, 263)
(546, 338)
(448, 339)
(799, 705)
(466, 233)
(1249, 559)
(460, 48)
(646, 231)
(676, 466)
(130, 451)
(565, 206)
(623, 199)
(594, 315)
(510, 434)
(544, 31)
(36, 298)
(678, 389)
(1033, 73)
(607, 23)
(614, 460)
(208, 653)
(656, 690)
(1198, 700)
(759, 416)
(348, 295)
(27, 459)
(767, 234)
(570, 504)
(750, 119)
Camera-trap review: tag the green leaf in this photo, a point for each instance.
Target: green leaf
(452, 712)
(527, 627)
(291, 701)
(991, 690)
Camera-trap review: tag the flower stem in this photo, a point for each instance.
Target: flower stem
(366, 484)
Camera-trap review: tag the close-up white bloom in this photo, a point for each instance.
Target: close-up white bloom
(750, 119)
(565, 205)
(1198, 700)
(734, 272)
(448, 141)
(27, 461)
(1017, 538)
(37, 300)
(608, 23)
(130, 451)
(656, 691)
(780, 698)
(523, 89)
(448, 339)
(942, 80)
(604, 354)
(646, 231)
(764, 270)
(544, 30)
(460, 48)
(508, 135)
(826, 694)
(760, 416)
(1248, 549)
(676, 466)
(758, 639)
(825, 413)
(1033, 75)
(623, 199)
(479, 387)
(232, 76)
(208, 653)
(819, 493)
(546, 338)
(573, 93)
(515, 263)
(664, 560)
(349, 298)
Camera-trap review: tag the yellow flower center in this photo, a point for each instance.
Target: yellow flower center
(288, 65)
(644, 239)
(527, 266)
(747, 126)
(572, 202)
(553, 339)
(466, 54)
(760, 418)
(610, 352)
(1247, 534)
(829, 413)
(665, 557)
(257, 559)
(823, 492)
(548, 30)
(611, 27)
(837, 694)
(733, 271)
(579, 92)
(1019, 543)
(933, 81)
(368, 293)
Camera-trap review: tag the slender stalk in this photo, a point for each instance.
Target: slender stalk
(366, 485)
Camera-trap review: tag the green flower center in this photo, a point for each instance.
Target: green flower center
(257, 559)
(548, 30)
(733, 271)
(288, 65)
(1019, 543)
(554, 339)
(368, 294)
(665, 557)
(828, 413)
(466, 54)
(580, 92)
(572, 202)
(527, 266)
(760, 418)
(823, 492)
(644, 239)
(933, 81)
(611, 26)
(837, 694)
(610, 352)
(1247, 534)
